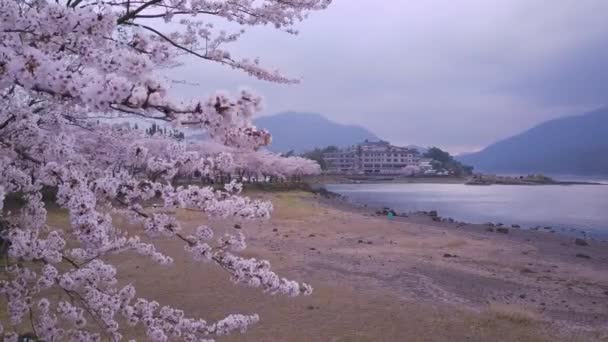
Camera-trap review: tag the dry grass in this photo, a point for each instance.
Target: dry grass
(513, 313)
(292, 206)
(455, 243)
(502, 322)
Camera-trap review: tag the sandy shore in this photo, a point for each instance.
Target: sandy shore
(375, 279)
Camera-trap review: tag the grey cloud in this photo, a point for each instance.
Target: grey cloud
(458, 74)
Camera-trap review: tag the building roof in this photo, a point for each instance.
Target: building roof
(368, 145)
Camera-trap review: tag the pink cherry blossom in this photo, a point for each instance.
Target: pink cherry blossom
(71, 72)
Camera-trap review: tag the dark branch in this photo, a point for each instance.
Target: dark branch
(131, 15)
(7, 121)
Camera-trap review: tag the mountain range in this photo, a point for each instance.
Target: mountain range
(569, 145)
(301, 132)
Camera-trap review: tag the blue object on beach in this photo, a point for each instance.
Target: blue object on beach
(390, 215)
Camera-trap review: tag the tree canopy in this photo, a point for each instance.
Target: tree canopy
(444, 161)
(71, 73)
(317, 155)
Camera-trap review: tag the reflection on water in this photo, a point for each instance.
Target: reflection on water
(582, 207)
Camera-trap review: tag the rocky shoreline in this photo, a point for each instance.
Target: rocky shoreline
(537, 232)
(562, 278)
(499, 227)
(543, 247)
(340, 201)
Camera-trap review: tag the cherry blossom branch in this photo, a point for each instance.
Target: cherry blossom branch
(132, 14)
(7, 121)
(65, 64)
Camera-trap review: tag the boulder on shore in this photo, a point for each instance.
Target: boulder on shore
(385, 211)
(581, 242)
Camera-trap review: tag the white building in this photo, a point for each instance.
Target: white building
(371, 157)
(425, 164)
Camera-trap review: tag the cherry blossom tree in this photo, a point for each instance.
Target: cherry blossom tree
(67, 69)
(259, 165)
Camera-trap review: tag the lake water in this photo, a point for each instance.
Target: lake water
(580, 207)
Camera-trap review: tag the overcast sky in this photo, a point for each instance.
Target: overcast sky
(455, 74)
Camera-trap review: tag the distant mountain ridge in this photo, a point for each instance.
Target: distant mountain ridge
(301, 132)
(569, 145)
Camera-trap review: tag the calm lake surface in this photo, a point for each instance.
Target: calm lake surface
(580, 207)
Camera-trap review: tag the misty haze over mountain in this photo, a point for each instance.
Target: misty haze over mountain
(569, 145)
(300, 132)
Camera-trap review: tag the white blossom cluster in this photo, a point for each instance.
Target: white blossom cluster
(258, 164)
(68, 68)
